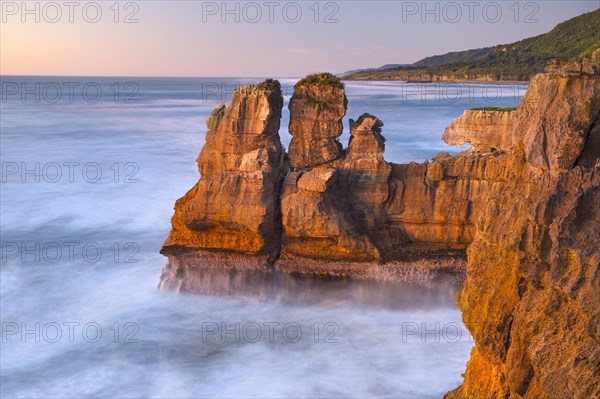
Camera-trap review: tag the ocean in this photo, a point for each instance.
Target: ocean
(91, 168)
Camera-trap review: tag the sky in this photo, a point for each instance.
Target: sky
(256, 38)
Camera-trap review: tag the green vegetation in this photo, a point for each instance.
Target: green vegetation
(321, 80)
(453, 57)
(269, 84)
(508, 109)
(588, 52)
(515, 61)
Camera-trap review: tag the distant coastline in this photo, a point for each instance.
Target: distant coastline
(464, 81)
(448, 73)
(514, 62)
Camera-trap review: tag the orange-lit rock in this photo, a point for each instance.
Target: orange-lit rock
(316, 111)
(332, 206)
(532, 294)
(234, 207)
(336, 211)
(485, 130)
(525, 201)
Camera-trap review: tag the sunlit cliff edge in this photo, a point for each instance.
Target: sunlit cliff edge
(532, 290)
(525, 201)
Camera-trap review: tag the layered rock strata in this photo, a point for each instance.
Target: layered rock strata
(317, 108)
(485, 130)
(322, 209)
(234, 209)
(532, 294)
(525, 201)
(336, 211)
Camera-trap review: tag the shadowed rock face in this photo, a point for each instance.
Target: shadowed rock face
(336, 210)
(533, 288)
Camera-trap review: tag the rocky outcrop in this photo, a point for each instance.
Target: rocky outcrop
(336, 211)
(485, 130)
(234, 207)
(316, 111)
(330, 210)
(533, 285)
(525, 200)
(364, 209)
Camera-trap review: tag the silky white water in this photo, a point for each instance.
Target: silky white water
(86, 196)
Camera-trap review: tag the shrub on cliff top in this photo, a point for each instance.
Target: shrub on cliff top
(269, 84)
(590, 50)
(320, 79)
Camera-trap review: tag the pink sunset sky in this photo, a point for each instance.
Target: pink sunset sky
(262, 38)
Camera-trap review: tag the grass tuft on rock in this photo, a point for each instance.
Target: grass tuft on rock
(321, 80)
(269, 84)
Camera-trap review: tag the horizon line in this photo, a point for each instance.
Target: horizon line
(148, 76)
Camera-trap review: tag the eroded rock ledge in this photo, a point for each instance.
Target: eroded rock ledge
(322, 209)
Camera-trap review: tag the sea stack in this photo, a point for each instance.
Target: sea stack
(321, 209)
(232, 214)
(329, 199)
(316, 111)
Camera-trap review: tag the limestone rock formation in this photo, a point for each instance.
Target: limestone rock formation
(367, 177)
(316, 111)
(234, 207)
(317, 221)
(555, 116)
(525, 201)
(438, 203)
(486, 130)
(533, 286)
(337, 208)
(336, 211)
(373, 211)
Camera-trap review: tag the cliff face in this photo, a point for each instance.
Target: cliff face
(329, 206)
(525, 201)
(533, 287)
(316, 113)
(439, 202)
(235, 204)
